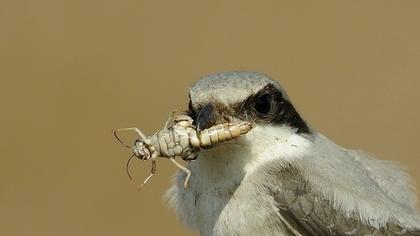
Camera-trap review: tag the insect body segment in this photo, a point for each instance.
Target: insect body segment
(223, 132)
(183, 140)
(178, 139)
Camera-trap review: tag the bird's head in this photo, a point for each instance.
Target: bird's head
(242, 96)
(278, 130)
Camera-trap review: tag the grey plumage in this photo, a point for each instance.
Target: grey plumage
(284, 178)
(335, 191)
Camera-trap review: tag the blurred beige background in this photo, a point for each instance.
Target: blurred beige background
(72, 70)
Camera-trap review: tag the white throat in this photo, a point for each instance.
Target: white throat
(261, 144)
(219, 175)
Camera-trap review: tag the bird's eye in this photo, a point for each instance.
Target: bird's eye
(263, 104)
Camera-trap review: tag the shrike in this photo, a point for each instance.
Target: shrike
(283, 177)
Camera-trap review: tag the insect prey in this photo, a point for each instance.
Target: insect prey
(180, 139)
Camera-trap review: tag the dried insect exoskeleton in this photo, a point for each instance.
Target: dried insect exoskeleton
(181, 139)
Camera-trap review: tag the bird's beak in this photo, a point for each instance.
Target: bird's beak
(206, 118)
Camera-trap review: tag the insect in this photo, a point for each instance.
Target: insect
(181, 139)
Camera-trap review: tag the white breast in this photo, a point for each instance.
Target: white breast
(221, 198)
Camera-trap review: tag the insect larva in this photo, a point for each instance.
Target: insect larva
(181, 139)
(223, 132)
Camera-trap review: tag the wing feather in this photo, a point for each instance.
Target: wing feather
(305, 211)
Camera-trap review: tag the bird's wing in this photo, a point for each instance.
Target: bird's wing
(305, 211)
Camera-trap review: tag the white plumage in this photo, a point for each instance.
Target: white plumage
(277, 180)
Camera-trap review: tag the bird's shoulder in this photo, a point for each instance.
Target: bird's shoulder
(336, 191)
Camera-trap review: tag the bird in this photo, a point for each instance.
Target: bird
(283, 177)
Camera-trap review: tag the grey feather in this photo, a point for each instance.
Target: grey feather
(336, 191)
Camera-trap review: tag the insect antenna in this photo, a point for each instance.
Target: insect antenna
(127, 169)
(114, 131)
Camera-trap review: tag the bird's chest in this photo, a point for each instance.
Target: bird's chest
(223, 210)
(221, 203)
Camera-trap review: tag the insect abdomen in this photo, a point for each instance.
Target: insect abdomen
(182, 139)
(223, 132)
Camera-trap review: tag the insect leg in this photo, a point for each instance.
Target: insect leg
(127, 169)
(142, 136)
(169, 120)
(152, 172)
(183, 168)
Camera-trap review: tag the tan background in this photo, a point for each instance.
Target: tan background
(73, 70)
